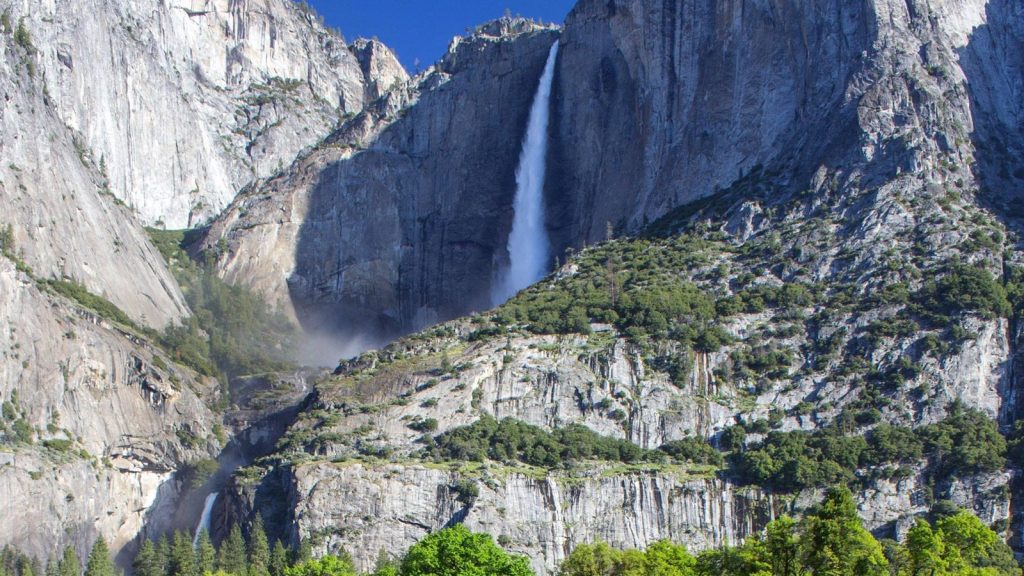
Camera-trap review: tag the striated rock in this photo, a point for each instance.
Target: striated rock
(186, 101)
(397, 221)
(117, 420)
(366, 509)
(64, 221)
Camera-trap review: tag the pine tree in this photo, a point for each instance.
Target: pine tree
(278, 559)
(304, 553)
(232, 553)
(69, 564)
(206, 554)
(259, 549)
(163, 555)
(99, 563)
(25, 566)
(147, 562)
(51, 567)
(183, 557)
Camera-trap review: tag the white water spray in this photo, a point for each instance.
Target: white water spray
(204, 520)
(528, 246)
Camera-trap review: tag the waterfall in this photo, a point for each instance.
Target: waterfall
(204, 520)
(528, 246)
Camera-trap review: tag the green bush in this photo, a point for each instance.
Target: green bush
(512, 440)
(80, 294)
(963, 289)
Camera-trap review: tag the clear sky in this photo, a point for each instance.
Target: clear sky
(421, 29)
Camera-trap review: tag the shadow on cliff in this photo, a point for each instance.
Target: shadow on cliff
(994, 70)
(407, 232)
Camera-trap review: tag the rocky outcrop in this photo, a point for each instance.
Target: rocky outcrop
(396, 221)
(186, 102)
(63, 219)
(111, 421)
(368, 509)
(715, 89)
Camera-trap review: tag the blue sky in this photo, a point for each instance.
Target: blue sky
(421, 29)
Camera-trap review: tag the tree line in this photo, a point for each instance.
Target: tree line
(829, 541)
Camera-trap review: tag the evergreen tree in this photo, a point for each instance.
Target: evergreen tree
(278, 559)
(147, 562)
(183, 557)
(51, 567)
(259, 549)
(99, 563)
(232, 553)
(163, 555)
(25, 567)
(304, 553)
(69, 564)
(206, 554)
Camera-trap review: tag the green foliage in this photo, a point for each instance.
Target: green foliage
(965, 442)
(182, 560)
(834, 542)
(632, 284)
(69, 564)
(147, 562)
(259, 549)
(231, 556)
(963, 289)
(232, 331)
(197, 473)
(512, 440)
(80, 294)
(22, 36)
(99, 563)
(326, 566)
(693, 449)
(206, 553)
(458, 552)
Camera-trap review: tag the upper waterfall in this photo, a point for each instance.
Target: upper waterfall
(528, 245)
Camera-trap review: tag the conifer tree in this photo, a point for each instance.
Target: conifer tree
(99, 563)
(69, 564)
(259, 549)
(163, 555)
(232, 553)
(206, 554)
(304, 553)
(147, 562)
(278, 559)
(51, 566)
(183, 557)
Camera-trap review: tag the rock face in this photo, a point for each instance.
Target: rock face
(96, 420)
(398, 219)
(715, 89)
(656, 106)
(111, 424)
(187, 101)
(368, 509)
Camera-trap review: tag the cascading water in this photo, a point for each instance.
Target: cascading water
(528, 246)
(204, 520)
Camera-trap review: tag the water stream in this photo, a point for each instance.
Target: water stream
(528, 245)
(204, 520)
